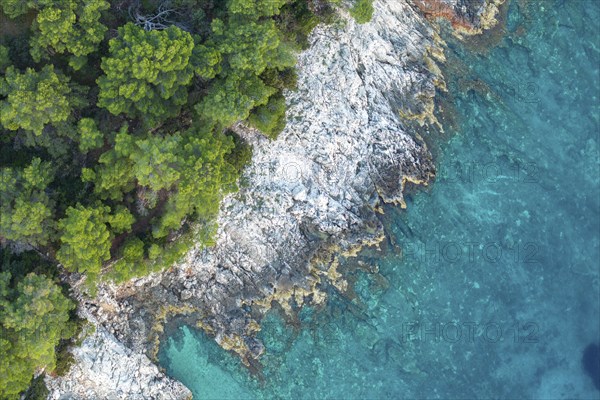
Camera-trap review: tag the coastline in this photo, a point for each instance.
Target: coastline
(317, 188)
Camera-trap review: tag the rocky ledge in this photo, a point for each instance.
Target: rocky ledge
(105, 369)
(349, 144)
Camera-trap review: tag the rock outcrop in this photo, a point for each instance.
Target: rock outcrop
(344, 148)
(348, 145)
(468, 17)
(105, 369)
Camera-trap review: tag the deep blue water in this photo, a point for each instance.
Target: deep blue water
(489, 286)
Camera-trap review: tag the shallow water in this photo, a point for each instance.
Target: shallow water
(489, 286)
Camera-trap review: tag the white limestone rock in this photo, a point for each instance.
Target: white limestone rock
(105, 369)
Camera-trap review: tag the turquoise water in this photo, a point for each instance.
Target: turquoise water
(488, 286)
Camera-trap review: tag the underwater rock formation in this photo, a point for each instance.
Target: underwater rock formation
(591, 363)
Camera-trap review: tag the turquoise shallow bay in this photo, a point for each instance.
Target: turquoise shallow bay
(489, 284)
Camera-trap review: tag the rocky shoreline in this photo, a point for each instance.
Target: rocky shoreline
(349, 144)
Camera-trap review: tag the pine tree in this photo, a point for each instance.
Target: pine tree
(85, 239)
(69, 26)
(146, 73)
(25, 207)
(34, 317)
(34, 99)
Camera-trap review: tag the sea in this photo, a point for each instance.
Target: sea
(487, 285)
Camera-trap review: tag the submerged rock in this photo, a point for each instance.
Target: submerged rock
(591, 363)
(466, 16)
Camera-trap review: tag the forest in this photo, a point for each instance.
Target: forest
(116, 145)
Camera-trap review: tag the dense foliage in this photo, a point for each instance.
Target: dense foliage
(34, 99)
(34, 318)
(146, 73)
(115, 147)
(362, 11)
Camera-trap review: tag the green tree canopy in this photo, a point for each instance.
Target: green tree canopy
(71, 26)
(131, 261)
(153, 160)
(362, 11)
(255, 8)
(191, 166)
(206, 175)
(85, 239)
(206, 61)
(25, 207)
(248, 43)
(121, 220)
(146, 73)
(150, 162)
(34, 99)
(113, 176)
(270, 118)
(14, 8)
(231, 99)
(34, 317)
(90, 136)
